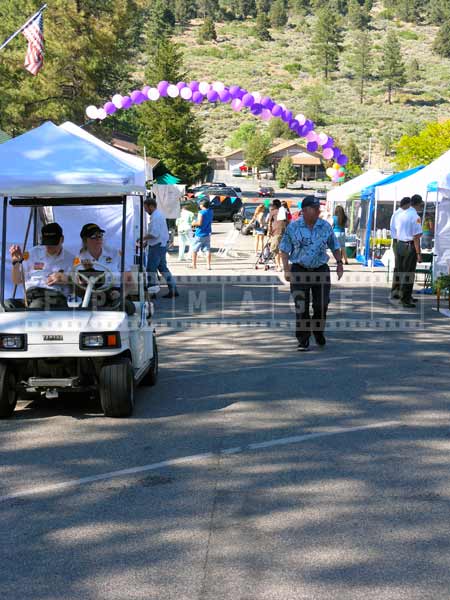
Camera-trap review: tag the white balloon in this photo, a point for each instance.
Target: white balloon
(204, 87)
(91, 112)
(322, 138)
(218, 86)
(153, 94)
(117, 100)
(101, 114)
(173, 91)
(186, 93)
(301, 119)
(256, 96)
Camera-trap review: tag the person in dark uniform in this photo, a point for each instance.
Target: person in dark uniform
(44, 270)
(409, 232)
(405, 203)
(305, 245)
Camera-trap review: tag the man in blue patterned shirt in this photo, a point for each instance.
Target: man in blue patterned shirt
(305, 260)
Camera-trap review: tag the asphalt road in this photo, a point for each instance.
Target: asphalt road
(264, 473)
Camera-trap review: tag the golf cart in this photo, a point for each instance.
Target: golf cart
(87, 348)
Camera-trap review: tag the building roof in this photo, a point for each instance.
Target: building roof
(288, 144)
(233, 152)
(305, 158)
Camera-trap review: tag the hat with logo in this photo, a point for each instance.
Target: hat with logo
(51, 234)
(90, 229)
(310, 201)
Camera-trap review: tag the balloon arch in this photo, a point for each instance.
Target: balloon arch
(261, 106)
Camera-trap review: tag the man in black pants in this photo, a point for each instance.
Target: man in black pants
(305, 245)
(409, 232)
(405, 203)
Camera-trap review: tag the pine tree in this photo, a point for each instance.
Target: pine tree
(441, 44)
(409, 10)
(354, 164)
(246, 8)
(286, 172)
(360, 60)
(262, 28)
(279, 129)
(208, 8)
(257, 150)
(168, 128)
(300, 7)
(207, 32)
(392, 68)
(184, 11)
(88, 49)
(358, 16)
(326, 43)
(263, 6)
(438, 11)
(414, 70)
(278, 14)
(160, 22)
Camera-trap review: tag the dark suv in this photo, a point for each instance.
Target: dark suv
(224, 207)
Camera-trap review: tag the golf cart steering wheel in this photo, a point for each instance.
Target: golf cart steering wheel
(88, 282)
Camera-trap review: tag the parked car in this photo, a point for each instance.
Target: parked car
(205, 186)
(265, 192)
(224, 208)
(223, 191)
(321, 194)
(244, 216)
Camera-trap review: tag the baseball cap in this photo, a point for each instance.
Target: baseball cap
(310, 201)
(51, 234)
(90, 229)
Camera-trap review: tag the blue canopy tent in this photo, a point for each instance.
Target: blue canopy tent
(369, 195)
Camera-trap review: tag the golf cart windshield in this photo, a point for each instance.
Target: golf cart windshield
(121, 218)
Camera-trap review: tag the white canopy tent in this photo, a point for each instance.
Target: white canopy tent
(51, 162)
(343, 192)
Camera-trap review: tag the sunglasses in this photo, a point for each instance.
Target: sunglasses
(96, 236)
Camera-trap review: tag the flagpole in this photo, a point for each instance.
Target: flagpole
(11, 37)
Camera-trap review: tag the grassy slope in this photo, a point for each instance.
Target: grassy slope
(238, 57)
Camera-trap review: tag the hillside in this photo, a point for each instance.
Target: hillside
(237, 57)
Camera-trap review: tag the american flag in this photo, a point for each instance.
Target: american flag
(34, 33)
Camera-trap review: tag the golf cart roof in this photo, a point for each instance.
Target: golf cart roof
(91, 201)
(51, 162)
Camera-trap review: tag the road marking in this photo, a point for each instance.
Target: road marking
(71, 483)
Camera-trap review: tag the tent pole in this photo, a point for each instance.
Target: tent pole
(374, 229)
(27, 232)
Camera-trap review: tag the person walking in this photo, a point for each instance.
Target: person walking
(276, 226)
(339, 225)
(409, 231)
(405, 203)
(157, 238)
(202, 235)
(305, 261)
(184, 226)
(259, 230)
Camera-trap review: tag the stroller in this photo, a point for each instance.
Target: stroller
(265, 259)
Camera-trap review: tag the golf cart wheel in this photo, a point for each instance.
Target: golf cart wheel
(8, 393)
(151, 377)
(117, 389)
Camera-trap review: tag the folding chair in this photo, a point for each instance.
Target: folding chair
(425, 268)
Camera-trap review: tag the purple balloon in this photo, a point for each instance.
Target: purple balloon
(212, 96)
(224, 96)
(162, 87)
(248, 100)
(336, 152)
(286, 116)
(342, 160)
(145, 89)
(277, 110)
(109, 108)
(267, 102)
(197, 97)
(242, 93)
(256, 109)
(329, 143)
(181, 85)
(126, 102)
(194, 85)
(234, 91)
(135, 95)
(294, 125)
(312, 146)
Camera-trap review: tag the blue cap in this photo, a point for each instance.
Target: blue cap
(310, 201)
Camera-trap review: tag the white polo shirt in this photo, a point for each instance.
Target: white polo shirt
(110, 258)
(393, 226)
(38, 265)
(408, 224)
(157, 228)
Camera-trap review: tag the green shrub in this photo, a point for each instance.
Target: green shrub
(408, 35)
(293, 68)
(281, 87)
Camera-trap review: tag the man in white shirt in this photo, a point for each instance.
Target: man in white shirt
(157, 238)
(44, 270)
(408, 226)
(405, 203)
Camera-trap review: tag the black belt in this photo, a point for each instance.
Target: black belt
(311, 269)
(410, 242)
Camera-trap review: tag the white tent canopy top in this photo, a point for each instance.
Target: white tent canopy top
(355, 185)
(419, 182)
(50, 161)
